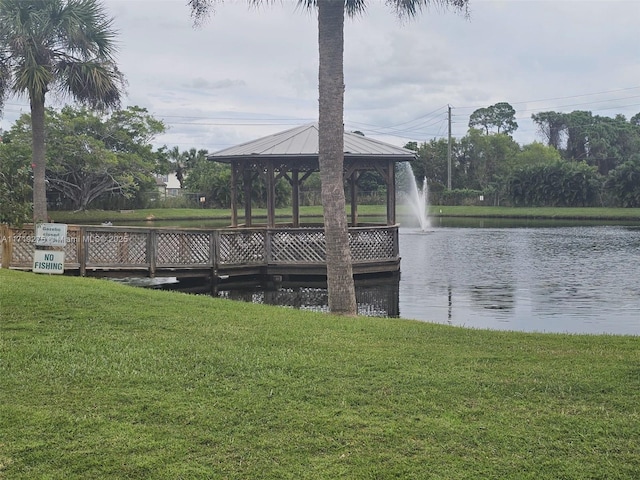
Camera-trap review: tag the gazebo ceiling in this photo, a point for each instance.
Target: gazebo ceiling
(301, 144)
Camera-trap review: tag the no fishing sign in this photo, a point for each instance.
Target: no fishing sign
(48, 261)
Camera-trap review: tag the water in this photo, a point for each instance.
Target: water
(563, 279)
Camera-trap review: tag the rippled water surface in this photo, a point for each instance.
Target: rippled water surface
(579, 279)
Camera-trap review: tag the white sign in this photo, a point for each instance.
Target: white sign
(48, 261)
(51, 234)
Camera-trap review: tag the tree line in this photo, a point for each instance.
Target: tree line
(584, 160)
(108, 161)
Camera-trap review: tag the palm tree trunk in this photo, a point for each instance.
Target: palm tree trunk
(39, 161)
(342, 297)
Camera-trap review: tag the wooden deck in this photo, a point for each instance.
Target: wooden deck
(93, 250)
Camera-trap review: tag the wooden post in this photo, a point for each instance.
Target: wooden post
(268, 234)
(6, 240)
(295, 198)
(213, 251)
(82, 252)
(353, 183)
(152, 251)
(247, 179)
(396, 241)
(391, 193)
(271, 196)
(234, 194)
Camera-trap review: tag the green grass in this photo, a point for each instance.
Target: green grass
(364, 211)
(104, 381)
(574, 213)
(81, 217)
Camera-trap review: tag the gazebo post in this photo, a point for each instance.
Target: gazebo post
(247, 180)
(271, 196)
(391, 193)
(353, 183)
(295, 198)
(234, 193)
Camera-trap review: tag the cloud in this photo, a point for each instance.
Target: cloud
(249, 72)
(223, 84)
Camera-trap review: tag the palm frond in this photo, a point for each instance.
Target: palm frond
(32, 78)
(200, 10)
(410, 8)
(97, 84)
(86, 30)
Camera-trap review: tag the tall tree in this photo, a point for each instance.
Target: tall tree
(61, 45)
(342, 298)
(502, 116)
(482, 117)
(551, 126)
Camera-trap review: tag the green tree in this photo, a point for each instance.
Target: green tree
(502, 116)
(551, 126)
(341, 288)
(61, 45)
(211, 180)
(535, 154)
(181, 163)
(486, 158)
(577, 126)
(623, 183)
(558, 184)
(431, 162)
(604, 142)
(90, 155)
(481, 117)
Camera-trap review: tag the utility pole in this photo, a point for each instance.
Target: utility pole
(449, 153)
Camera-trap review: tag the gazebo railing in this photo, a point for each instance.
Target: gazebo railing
(153, 250)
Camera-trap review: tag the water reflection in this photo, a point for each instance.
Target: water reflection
(374, 300)
(563, 279)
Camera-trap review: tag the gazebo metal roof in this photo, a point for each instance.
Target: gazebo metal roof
(302, 143)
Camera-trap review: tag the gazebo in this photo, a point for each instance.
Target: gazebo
(293, 248)
(293, 155)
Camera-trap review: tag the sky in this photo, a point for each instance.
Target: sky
(251, 71)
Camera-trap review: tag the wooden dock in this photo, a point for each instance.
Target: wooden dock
(95, 250)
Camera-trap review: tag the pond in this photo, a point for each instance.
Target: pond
(577, 279)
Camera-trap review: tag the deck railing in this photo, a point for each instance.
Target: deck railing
(153, 251)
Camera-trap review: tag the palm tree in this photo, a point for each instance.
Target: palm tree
(65, 46)
(342, 297)
(176, 157)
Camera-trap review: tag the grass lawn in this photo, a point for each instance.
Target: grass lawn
(103, 381)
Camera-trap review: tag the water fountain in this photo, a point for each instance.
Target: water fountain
(417, 198)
